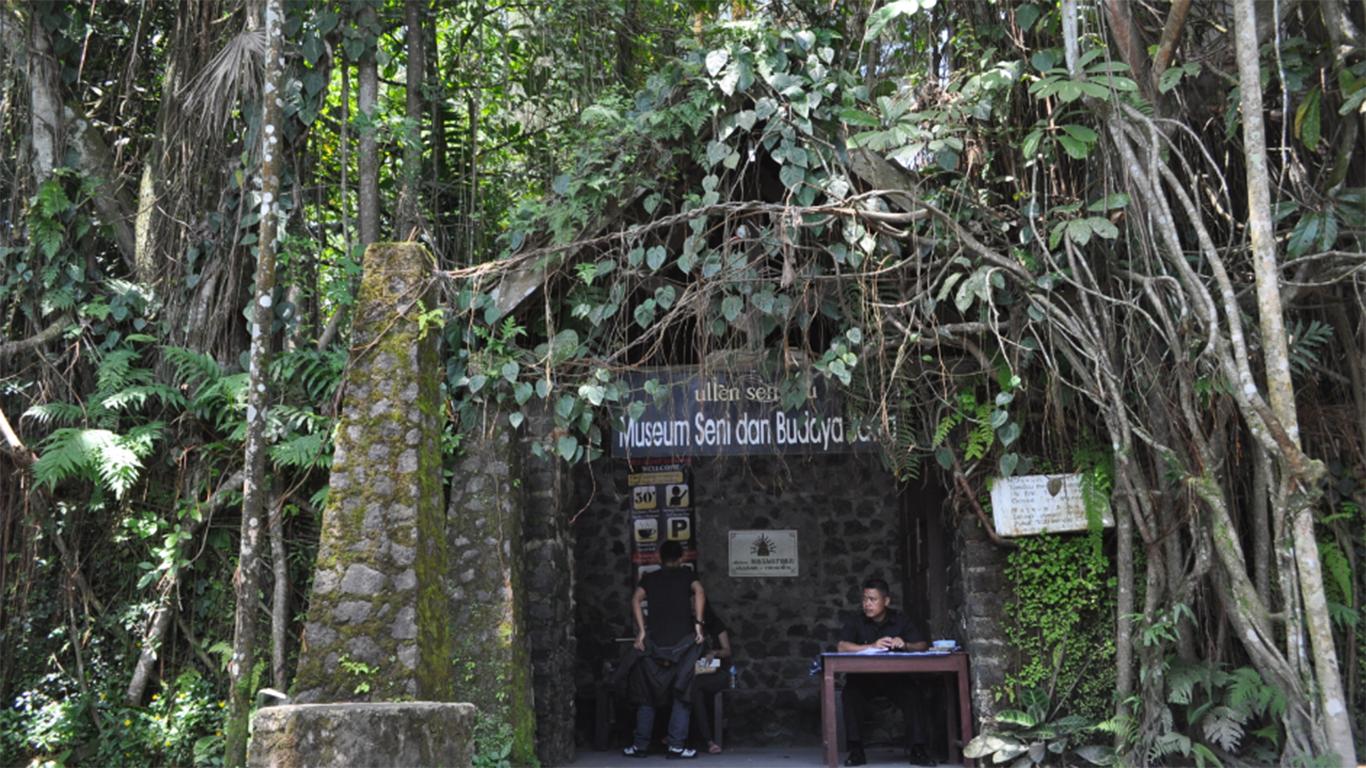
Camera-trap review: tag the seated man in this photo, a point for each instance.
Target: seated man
(878, 626)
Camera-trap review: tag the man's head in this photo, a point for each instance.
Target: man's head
(877, 598)
(670, 553)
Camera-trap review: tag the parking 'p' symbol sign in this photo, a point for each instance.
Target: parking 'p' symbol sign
(679, 528)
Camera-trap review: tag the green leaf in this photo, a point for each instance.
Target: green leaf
(716, 60)
(882, 16)
(1079, 231)
(510, 370)
(654, 258)
(515, 419)
(1025, 16)
(1008, 463)
(664, 296)
(731, 307)
(716, 152)
(1074, 148)
(593, 393)
(1109, 202)
(567, 445)
(1010, 433)
(858, 117)
(1102, 227)
(792, 176)
(645, 313)
(1307, 119)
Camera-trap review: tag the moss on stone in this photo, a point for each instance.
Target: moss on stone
(366, 520)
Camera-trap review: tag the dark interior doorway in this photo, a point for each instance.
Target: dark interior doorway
(925, 556)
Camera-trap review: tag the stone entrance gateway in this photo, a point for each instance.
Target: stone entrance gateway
(511, 595)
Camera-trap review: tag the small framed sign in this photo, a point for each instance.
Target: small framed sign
(1026, 505)
(763, 554)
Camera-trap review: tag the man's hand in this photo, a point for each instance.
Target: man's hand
(890, 643)
(640, 642)
(697, 634)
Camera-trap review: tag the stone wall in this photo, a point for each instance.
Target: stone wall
(484, 580)
(978, 598)
(847, 515)
(549, 558)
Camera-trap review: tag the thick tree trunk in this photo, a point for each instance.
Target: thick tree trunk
(45, 103)
(1298, 492)
(254, 485)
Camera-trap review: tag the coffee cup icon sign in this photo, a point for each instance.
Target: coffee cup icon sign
(647, 530)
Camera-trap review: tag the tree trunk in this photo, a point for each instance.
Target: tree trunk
(166, 609)
(279, 604)
(45, 103)
(367, 98)
(248, 566)
(409, 215)
(1298, 491)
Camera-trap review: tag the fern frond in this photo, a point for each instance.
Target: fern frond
(55, 413)
(303, 452)
(97, 455)
(192, 368)
(116, 370)
(137, 396)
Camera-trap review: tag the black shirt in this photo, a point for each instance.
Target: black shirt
(712, 627)
(862, 630)
(669, 591)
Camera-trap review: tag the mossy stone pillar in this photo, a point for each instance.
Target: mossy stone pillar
(484, 582)
(377, 627)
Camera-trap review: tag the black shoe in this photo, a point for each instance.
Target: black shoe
(634, 751)
(920, 757)
(679, 753)
(856, 757)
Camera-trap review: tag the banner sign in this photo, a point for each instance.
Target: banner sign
(683, 412)
(763, 553)
(1031, 504)
(660, 503)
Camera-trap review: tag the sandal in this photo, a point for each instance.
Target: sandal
(713, 748)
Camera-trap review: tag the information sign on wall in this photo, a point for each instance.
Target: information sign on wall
(660, 505)
(763, 553)
(685, 412)
(1032, 504)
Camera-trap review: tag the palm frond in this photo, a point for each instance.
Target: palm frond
(234, 74)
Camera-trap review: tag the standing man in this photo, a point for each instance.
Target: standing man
(878, 626)
(667, 647)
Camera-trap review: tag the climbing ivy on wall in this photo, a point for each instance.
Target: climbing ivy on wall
(1060, 622)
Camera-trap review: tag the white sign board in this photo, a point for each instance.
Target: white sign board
(763, 553)
(1032, 504)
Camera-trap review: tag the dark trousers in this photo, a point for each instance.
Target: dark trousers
(703, 688)
(859, 692)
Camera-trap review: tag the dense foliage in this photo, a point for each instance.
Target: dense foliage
(1007, 233)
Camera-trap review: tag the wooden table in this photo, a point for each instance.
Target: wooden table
(946, 665)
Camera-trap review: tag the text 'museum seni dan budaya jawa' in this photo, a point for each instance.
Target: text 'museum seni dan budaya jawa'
(684, 412)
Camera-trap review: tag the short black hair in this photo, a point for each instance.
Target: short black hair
(670, 551)
(878, 583)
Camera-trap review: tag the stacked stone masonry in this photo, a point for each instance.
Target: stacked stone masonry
(376, 616)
